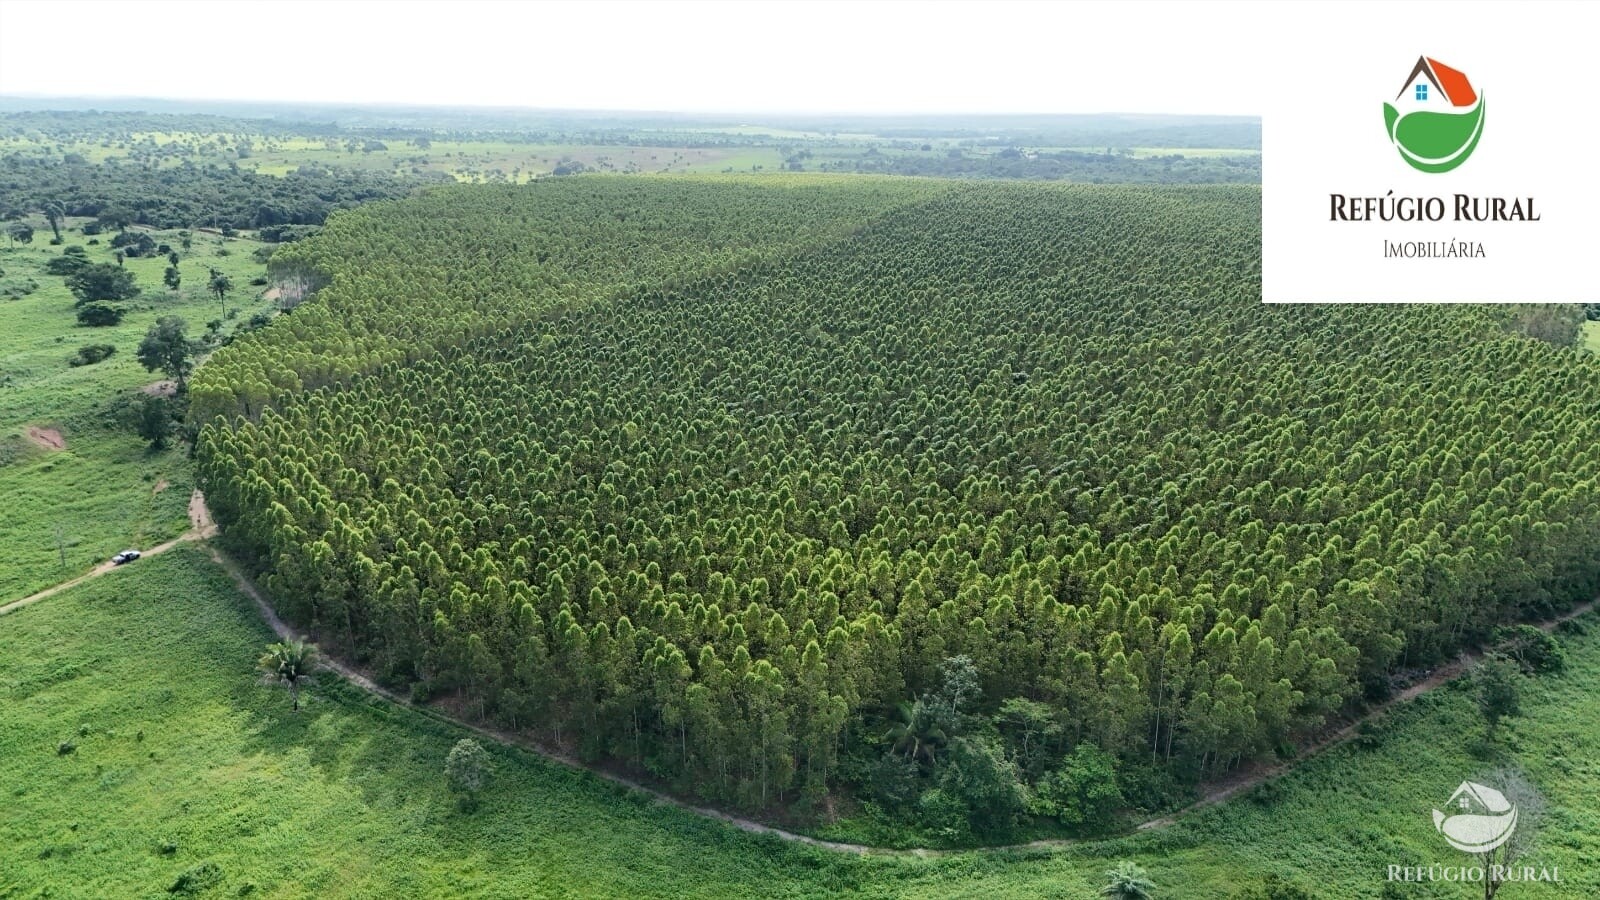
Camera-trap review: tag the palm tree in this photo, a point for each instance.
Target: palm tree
(918, 733)
(1128, 881)
(220, 285)
(289, 662)
(54, 212)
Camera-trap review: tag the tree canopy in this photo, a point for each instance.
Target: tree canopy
(726, 480)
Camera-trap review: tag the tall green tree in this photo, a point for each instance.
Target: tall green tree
(155, 421)
(1497, 692)
(166, 348)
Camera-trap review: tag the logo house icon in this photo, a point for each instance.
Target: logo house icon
(1436, 119)
(1482, 818)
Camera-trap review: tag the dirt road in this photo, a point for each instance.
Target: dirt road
(202, 527)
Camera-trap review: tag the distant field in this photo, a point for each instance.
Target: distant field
(103, 488)
(1147, 152)
(185, 762)
(484, 160)
(751, 148)
(1591, 336)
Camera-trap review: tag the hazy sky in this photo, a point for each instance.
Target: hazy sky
(689, 56)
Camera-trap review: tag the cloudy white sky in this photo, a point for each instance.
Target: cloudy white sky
(688, 56)
(817, 56)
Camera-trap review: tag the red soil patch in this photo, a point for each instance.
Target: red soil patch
(47, 438)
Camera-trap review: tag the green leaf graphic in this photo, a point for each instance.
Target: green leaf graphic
(1434, 141)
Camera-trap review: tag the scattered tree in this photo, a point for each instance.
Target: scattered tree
(977, 772)
(172, 279)
(917, 731)
(1499, 696)
(155, 421)
(468, 769)
(103, 283)
(1499, 864)
(166, 348)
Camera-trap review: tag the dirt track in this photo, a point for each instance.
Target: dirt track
(1215, 792)
(200, 528)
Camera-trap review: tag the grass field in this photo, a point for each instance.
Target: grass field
(1591, 336)
(104, 489)
(186, 763)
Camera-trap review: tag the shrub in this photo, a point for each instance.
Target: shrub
(945, 815)
(976, 772)
(89, 354)
(469, 769)
(892, 781)
(199, 878)
(18, 291)
(100, 315)
(1276, 887)
(1083, 791)
(65, 747)
(67, 263)
(1533, 649)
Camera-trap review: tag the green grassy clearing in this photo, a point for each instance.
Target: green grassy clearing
(1591, 337)
(101, 490)
(347, 798)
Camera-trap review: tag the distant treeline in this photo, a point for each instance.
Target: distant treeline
(188, 195)
(628, 129)
(1096, 168)
(59, 124)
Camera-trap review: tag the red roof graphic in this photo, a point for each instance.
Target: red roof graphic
(1452, 83)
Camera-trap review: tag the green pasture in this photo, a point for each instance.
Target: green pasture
(184, 762)
(104, 489)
